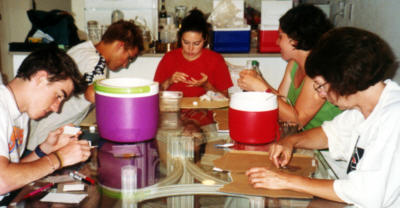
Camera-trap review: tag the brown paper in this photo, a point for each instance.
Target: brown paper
(221, 118)
(187, 103)
(238, 162)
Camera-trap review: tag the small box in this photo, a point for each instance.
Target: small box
(231, 40)
(268, 35)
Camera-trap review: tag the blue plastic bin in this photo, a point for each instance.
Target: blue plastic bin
(231, 40)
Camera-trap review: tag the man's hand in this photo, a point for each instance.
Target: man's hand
(57, 139)
(74, 152)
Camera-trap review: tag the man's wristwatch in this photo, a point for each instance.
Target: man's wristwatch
(39, 152)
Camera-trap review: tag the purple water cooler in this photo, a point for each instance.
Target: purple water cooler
(127, 109)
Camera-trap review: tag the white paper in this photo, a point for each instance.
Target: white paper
(71, 130)
(63, 198)
(74, 187)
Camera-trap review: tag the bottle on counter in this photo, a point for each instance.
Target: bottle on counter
(162, 19)
(248, 64)
(163, 14)
(117, 15)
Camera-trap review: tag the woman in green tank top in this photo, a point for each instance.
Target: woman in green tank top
(299, 30)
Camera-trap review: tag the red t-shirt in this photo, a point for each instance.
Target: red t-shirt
(210, 63)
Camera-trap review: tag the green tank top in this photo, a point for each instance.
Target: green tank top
(326, 113)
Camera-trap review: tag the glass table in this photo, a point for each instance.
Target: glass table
(172, 170)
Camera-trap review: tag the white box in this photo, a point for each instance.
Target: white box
(272, 10)
(238, 4)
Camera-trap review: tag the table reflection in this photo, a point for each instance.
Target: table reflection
(113, 156)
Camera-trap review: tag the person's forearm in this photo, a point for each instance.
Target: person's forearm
(311, 139)
(316, 187)
(287, 112)
(16, 175)
(90, 93)
(269, 87)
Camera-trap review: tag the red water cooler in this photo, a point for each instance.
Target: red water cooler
(253, 117)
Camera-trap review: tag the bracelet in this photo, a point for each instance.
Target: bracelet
(59, 159)
(39, 152)
(53, 167)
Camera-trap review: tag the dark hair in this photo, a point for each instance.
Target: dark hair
(350, 60)
(305, 24)
(56, 63)
(194, 22)
(125, 31)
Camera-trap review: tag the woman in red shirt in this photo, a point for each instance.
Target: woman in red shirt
(193, 69)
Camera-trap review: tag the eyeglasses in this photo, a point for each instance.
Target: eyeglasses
(131, 58)
(319, 87)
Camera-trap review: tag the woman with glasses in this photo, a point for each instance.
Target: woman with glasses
(193, 69)
(348, 66)
(299, 30)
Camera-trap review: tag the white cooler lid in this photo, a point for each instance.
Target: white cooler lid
(269, 27)
(253, 101)
(246, 28)
(126, 87)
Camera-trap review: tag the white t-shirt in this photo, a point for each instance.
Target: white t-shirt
(74, 110)
(13, 127)
(374, 178)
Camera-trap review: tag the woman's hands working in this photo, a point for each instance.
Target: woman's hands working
(250, 80)
(190, 81)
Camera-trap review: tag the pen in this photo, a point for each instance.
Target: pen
(39, 190)
(79, 176)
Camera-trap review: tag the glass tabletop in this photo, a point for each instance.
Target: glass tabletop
(171, 170)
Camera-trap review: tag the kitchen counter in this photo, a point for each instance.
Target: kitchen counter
(252, 54)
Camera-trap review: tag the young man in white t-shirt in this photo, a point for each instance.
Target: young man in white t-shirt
(348, 67)
(45, 79)
(120, 45)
